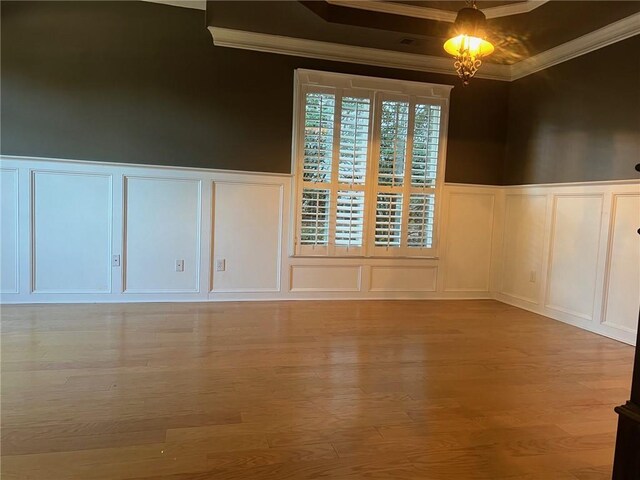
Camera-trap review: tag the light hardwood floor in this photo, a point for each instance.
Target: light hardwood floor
(303, 390)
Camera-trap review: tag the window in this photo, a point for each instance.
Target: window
(368, 163)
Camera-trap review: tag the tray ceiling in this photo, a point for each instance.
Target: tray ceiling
(517, 37)
(440, 10)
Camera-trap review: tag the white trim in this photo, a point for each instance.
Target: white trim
(376, 90)
(125, 232)
(501, 283)
(533, 302)
(357, 288)
(281, 235)
(195, 170)
(300, 47)
(268, 297)
(609, 258)
(33, 173)
(568, 311)
(600, 329)
(551, 254)
(612, 33)
(446, 254)
(589, 183)
(348, 81)
(16, 274)
(436, 13)
(593, 320)
(470, 185)
(195, 4)
(247, 290)
(213, 171)
(318, 287)
(433, 288)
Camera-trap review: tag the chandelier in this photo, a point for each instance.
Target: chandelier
(468, 44)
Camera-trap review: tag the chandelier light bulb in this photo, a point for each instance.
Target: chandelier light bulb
(468, 44)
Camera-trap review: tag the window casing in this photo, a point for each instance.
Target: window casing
(368, 162)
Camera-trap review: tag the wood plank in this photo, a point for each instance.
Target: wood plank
(305, 390)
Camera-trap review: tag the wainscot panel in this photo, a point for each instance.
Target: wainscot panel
(585, 270)
(247, 237)
(9, 277)
(403, 279)
(104, 232)
(162, 228)
(623, 266)
(71, 232)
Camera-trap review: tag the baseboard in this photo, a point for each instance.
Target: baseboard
(578, 322)
(251, 297)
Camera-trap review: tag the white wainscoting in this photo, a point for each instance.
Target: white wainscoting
(569, 252)
(9, 276)
(162, 226)
(523, 244)
(326, 278)
(398, 278)
(71, 216)
(575, 237)
(87, 212)
(622, 277)
(248, 237)
(469, 240)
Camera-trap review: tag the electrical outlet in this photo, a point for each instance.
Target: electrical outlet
(115, 260)
(179, 265)
(532, 276)
(220, 264)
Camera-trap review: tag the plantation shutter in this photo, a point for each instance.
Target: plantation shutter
(368, 166)
(336, 140)
(407, 155)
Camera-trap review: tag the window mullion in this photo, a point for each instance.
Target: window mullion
(298, 166)
(335, 165)
(408, 165)
(371, 182)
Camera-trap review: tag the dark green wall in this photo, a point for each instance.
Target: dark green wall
(577, 121)
(142, 83)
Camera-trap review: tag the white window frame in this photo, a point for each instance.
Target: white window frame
(377, 89)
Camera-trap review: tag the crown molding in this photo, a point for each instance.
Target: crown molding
(612, 33)
(438, 14)
(300, 47)
(195, 4)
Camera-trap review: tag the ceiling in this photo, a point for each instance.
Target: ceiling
(517, 36)
(529, 35)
